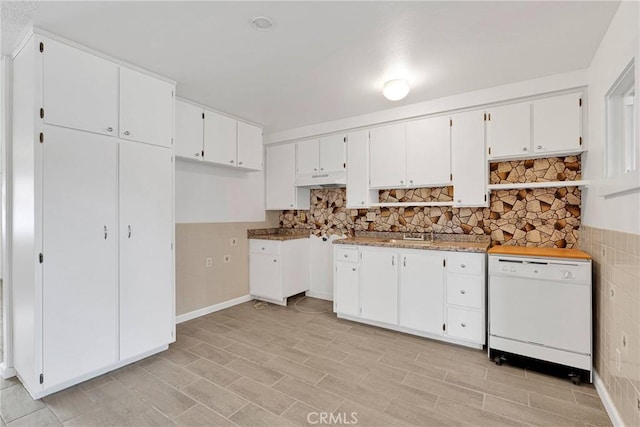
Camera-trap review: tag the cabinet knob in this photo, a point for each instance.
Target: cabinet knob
(321, 169)
(263, 249)
(346, 256)
(109, 129)
(462, 291)
(315, 169)
(539, 147)
(463, 266)
(126, 132)
(401, 182)
(275, 260)
(410, 181)
(464, 325)
(362, 203)
(459, 201)
(197, 154)
(239, 163)
(291, 205)
(354, 269)
(524, 148)
(231, 161)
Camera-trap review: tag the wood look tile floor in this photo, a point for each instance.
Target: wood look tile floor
(286, 366)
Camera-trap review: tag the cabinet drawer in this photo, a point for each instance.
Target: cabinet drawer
(465, 263)
(272, 247)
(347, 254)
(465, 324)
(465, 291)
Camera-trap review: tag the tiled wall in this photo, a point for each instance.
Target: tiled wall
(547, 217)
(616, 265)
(198, 286)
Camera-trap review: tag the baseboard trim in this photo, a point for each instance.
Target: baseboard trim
(613, 413)
(319, 295)
(6, 372)
(212, 308)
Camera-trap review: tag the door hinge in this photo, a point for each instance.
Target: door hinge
(42, 113)
(172, 94)
(451, 177)
(444, 327)
(485, 197)
(41, 50)
(171, 245)
(344, 139)
(41, 258)
(203, 115)
(41, 137)
(580, 140)
(171, 141)
(489, 150)
(579, 102)
(202, 153)
(489, 116)
(485, 117)
(444, 262)
(41, 375)
(344, 165)
(450, 122)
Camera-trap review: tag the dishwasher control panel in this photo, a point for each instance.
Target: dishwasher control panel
(561, 270)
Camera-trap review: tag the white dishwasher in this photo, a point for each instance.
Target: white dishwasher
(540, 306)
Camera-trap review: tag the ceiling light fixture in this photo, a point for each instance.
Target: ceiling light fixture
(261, 23)
(395, 90)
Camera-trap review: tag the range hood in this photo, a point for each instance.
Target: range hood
(322, 180)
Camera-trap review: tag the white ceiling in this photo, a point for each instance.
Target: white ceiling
(325, 61)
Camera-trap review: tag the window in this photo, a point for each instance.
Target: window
(621, 165)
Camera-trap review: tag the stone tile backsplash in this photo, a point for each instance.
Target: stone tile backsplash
(548, 217)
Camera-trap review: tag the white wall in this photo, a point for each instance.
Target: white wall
(617, 49)
(206, 194)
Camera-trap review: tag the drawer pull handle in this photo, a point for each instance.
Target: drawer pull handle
(275, 260)
(109, 129)
(464, 325)
(126, 132)
(462, 291)
(346, 255)
(463, 266)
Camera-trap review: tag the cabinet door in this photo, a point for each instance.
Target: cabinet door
(347, 288)
(249, 146)
(387, 156)
(220, 139)
(468, 162)
(358, 170)
(80, 288)
(429, 152)
(379, 286)
(265, 278)
(422, 292)
(557, 124)
(147, 314)
(146, 108)
(80, 90)
(332, 153)
(307, 157)
(189, 130)
(509, 130)
(280, 177)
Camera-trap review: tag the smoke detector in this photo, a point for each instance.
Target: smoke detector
(261, 23)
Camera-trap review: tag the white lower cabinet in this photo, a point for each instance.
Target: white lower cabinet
(379, 285)
(421, 291)
(278, 269)
(435, 294)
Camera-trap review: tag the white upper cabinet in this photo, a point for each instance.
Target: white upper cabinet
(387, 156)
(358, 193)
(540, 128)
(220, 139)
(146, 108)
(429, 152)
(189, 130)
(80, 90)
(281, 192)
(468, 165)
(557, 124)
(249, 146)
(307, 157)
(509, 130)
(332, 153)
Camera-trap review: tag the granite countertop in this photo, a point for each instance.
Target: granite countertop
(278, 233)
(441, 242)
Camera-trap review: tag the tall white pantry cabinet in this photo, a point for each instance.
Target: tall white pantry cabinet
(93, 215)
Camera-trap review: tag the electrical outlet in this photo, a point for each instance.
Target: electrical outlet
(227, 258)
(209, 262)
(618, 360)
(234, 241)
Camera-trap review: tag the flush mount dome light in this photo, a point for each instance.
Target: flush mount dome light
(395, 90)
(261, 23)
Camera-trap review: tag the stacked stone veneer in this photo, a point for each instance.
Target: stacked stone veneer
(547, 217)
